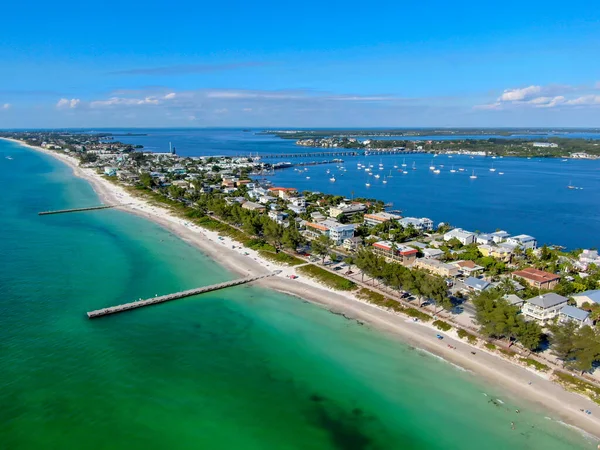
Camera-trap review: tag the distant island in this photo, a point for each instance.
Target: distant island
(552, 146)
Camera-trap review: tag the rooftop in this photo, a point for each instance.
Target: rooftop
(575, 313)
(476, 283)
(547, 300)
(537, 275)
(593, 295)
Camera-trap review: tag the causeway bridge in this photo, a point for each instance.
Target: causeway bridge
(175, 296)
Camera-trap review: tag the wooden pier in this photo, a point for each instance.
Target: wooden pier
(324, 154)
(175, 296)
(64, 211)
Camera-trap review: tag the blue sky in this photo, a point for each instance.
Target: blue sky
(303, 64)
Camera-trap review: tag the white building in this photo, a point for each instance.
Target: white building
(336, 231)
(545, 144)
(464, 237)
(499, 236)
(545, 307)
(278, 216)
(378, 218)
(422, 224)
(572, 314)
(523, 240)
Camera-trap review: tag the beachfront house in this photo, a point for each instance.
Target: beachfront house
(514, 300)
(590, 297)
(484, 239)
(501, 253)
(254, 206)
(278, 216)
(336, 231)
(352, 244)
(347, 210)
(570, 313)
(464, 237)
(379, 218)
(523, 240)
(436, 267)
(422, 224)
(499, 236)
(586, 258)
(545, 307)
(537, 278)
(395, 252)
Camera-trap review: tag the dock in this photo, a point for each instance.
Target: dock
(175, 296)
(326, 154)
(64, 211)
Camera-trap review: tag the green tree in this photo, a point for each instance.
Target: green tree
(146, 180)
(321, 246)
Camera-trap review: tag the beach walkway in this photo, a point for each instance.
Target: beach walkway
(176, 295)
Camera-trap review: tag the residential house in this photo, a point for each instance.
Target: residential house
(317, 216)
(278, 216)
(523, 240)
(476, 284)
(591, 297)
(423, 224)
(499, 236)
(544, 307)
(500, 253)
(110, 171)
(586, 258)
(514, 300)
(397, 252)
(468, 268)
(352, 244)
(282, 192)
(348, 210)
(570, 313)
(378, 218)
(336, 231)
(537, 278)
(436, 267)
(433, 253)
(253, 206)
(464, 237)
(484, 239)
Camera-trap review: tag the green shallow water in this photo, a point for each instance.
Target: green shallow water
(242, 368)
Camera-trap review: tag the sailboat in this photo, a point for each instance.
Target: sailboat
(395, 165)
(452, 170)
(384, 180)
(404, 162)
(404, 172)
(461, 170)
(570, 186)
(414, 167)
(432, 167)
(390, 174)
(436, 171)
(332, 178)
(377, 176)
(492, 169)
(473, 176)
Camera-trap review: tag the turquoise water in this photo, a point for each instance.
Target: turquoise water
(241, 368)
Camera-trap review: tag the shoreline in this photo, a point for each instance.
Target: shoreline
(510, 377)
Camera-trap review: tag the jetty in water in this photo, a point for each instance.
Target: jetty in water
(64, 211)
(175, 296)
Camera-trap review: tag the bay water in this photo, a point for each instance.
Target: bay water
(243, 368)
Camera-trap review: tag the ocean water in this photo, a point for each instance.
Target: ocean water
(242, 368)
(530, 198)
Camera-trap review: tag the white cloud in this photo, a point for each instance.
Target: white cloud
(585, 100)
(491, 106)
(547, 102)
(131, 101)
(6, 106)
(65, 103)
(512, 95)
(170, 96)
(221, 111)
(597, 85)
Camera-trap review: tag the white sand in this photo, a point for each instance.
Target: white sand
(498, 371)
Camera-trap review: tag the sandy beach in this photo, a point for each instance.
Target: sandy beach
(521, 383)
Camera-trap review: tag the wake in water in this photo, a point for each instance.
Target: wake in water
(456, 366)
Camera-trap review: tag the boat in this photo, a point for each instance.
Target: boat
(431, 167)
(435, 155)
(436, 171)
(404, 162)
(473, 176)
(377, 176)
(492, 169)
(461, 169)
(563, 160)
(449, 156)
(413, 166)
(570, 186)
(384, 180)
(404, 172)
(332, 179)
(328, 170)
(308, 178)
(390, 174)
(368, 184)
(395, 166)
(452, 170)
(9, 157)
(500, 173)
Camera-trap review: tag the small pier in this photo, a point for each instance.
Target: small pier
(175, 296)
(64, 211)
